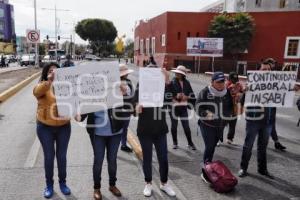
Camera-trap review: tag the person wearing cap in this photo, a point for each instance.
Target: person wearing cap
(183, 96)
(236, 90)
(274, 135)
(259, 122)
(152, 130)
(127, 90)
(214, 106)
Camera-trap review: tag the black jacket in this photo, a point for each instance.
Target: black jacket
(128, 99)
(152, 121)
(222, 107)
(186, 90)
(116, 116)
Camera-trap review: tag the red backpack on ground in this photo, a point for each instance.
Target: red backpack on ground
(219, 176)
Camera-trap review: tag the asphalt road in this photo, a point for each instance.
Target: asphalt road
(21, 159)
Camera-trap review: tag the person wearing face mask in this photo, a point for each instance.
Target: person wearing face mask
(183, 97)
(53, 132)
(259, 122)
(214, 106)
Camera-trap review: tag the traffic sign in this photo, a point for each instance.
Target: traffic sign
(33, 36)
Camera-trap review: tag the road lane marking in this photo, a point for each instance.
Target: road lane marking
(32, 156)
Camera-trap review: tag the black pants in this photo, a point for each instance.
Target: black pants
(160, 143)
(231, 129)
(182, 113)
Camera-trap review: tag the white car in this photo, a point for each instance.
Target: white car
(27, 59)
(92, 57)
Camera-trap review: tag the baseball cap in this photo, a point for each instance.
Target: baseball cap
(218, 76)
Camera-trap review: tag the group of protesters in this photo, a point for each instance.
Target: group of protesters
(217, 106)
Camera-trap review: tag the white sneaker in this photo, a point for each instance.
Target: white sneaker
(148, 190)
(168, 189)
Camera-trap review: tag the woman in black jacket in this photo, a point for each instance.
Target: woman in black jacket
(183, 98)
(151, 130)
(214, 106)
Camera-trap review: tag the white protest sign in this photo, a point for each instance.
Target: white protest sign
(87, 88)
(271, 88)
(151, 87)
(210, 47)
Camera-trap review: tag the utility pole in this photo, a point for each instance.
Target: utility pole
(36, 44)
(56, 26)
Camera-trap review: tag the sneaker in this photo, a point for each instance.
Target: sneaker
(204, 179)
(242, 173)
(266, 173)
(175, 146)
(279, 146)
(126, 149)
(168, 190)
(48, 192)
(219, 143)
(148, 190)
(64, 189)
(229, 141)
(192, 147)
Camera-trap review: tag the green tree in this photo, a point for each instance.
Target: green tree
(42, 49)
(129, 48)
(236, 29)
(100, 33)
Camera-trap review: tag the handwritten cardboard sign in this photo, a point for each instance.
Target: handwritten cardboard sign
(271, 88)
(87, 88)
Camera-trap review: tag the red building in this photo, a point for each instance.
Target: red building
(277, 35)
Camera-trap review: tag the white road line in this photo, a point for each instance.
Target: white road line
(32, 156)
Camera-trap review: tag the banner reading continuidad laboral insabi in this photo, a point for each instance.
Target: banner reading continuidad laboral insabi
(271, 88)
(87, 88)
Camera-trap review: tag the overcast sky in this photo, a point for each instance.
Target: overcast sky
(122, 13)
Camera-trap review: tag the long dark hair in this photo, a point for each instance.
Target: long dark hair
(44, 76)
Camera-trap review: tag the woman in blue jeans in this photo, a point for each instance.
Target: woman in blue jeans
(105, 129)
(53, 131)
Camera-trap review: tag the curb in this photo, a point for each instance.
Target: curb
(14, 89)
(135, 144)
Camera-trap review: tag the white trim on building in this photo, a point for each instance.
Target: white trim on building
(288, 47)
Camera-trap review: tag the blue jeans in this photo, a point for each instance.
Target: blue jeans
(111, 144)
(160, 143)
(211, 136)
(263, 131)
(125, 130)
(49, 136)
(182, 113)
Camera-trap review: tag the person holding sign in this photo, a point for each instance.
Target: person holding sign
(151, 130)
(127, 90)
(259, 121)
(183, 95)
(52, 130)
(214, 106)
(105, 129)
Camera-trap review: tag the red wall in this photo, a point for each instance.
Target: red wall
(269, 40)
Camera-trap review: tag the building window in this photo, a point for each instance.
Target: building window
(178, 36)
(137, 44)
(282, 3)
(153, 45)
(188, 34)
(292, 47)
(147, 46)
(1, 25)
(1, 12)
(142, 46)
(163, 40)
(258, 3)
(197, 35)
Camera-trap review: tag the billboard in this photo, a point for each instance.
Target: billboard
(209, 47)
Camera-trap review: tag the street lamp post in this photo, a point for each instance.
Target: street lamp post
(36, 44)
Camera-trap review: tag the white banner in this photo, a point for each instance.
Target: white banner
(151, 87)
(271, 88)
(209, 47)
(87, 88)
